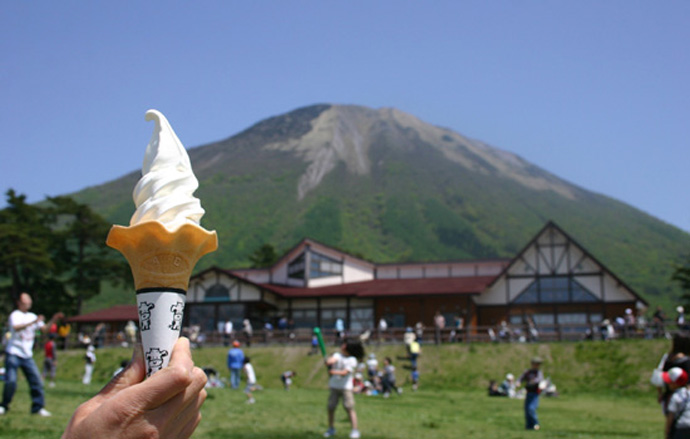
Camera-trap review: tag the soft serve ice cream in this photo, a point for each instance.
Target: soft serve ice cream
(165, 190)
(164, 241)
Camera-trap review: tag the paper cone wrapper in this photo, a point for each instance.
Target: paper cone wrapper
(160, 322)
(162, 263)
(160, 258)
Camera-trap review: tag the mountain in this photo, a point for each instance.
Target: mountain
(386, 186)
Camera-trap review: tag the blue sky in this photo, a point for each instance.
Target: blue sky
(596, 92)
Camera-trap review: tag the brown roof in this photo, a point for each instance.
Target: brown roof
(118, 313)
(391, 287)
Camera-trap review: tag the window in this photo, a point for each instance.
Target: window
(235, 312)
(296, 268)
(596, 318)
(323, 266)
(202, 315)
(330, 316)
(580, 294)
(544, 319)
(516, 320)
(395, 320)
(573, 322)
(555, 290)
(361, 318)
(572, 318)
(217, 293)
(319, 266)
(304, 318)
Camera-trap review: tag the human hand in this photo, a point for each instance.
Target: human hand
(166, 405)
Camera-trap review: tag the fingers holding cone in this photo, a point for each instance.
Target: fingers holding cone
(170, 381)
(167, 403)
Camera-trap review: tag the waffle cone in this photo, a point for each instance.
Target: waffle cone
(160, 258)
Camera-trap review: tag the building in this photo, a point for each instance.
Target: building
(553, 281)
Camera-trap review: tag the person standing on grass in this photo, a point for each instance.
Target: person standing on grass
(251, 380)
(341, 368)
(227, 333)
(19, 354)
(89, 362)
(50, 360)
(415, 352)
(439, 325)
(247, 331)
(531, 378)
(678, 412)
(235, 364)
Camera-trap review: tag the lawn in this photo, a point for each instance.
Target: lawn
(445, 406)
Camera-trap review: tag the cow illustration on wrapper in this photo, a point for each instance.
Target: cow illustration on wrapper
(155, 358)
(145, 315)
(177, 309)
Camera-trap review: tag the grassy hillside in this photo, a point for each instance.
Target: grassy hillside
(604, 392)
(583, 367)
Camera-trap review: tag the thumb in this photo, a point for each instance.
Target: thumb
(133, 373)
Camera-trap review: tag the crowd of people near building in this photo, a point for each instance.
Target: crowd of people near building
(444, 328)
(630, 324)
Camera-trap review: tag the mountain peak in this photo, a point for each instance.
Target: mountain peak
(326, 135)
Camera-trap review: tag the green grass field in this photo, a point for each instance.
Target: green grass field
(604, 394)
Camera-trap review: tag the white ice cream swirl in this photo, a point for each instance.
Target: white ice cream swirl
(164, 192)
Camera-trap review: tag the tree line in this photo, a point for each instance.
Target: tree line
(55, 250)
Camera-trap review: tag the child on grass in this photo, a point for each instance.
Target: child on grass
(251, 380)
(287, 377)
(414, 378)
(89, 360)
(341, 368)
(388, 378)
(532, 379)
(678, 417)
(50, 361)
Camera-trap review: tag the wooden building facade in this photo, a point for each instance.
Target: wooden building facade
(553, 280)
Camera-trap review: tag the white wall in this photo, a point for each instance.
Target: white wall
(256, 276)
(280, 274)
(356, 272)
(325, 281)
(248, 292)
(493, 269)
